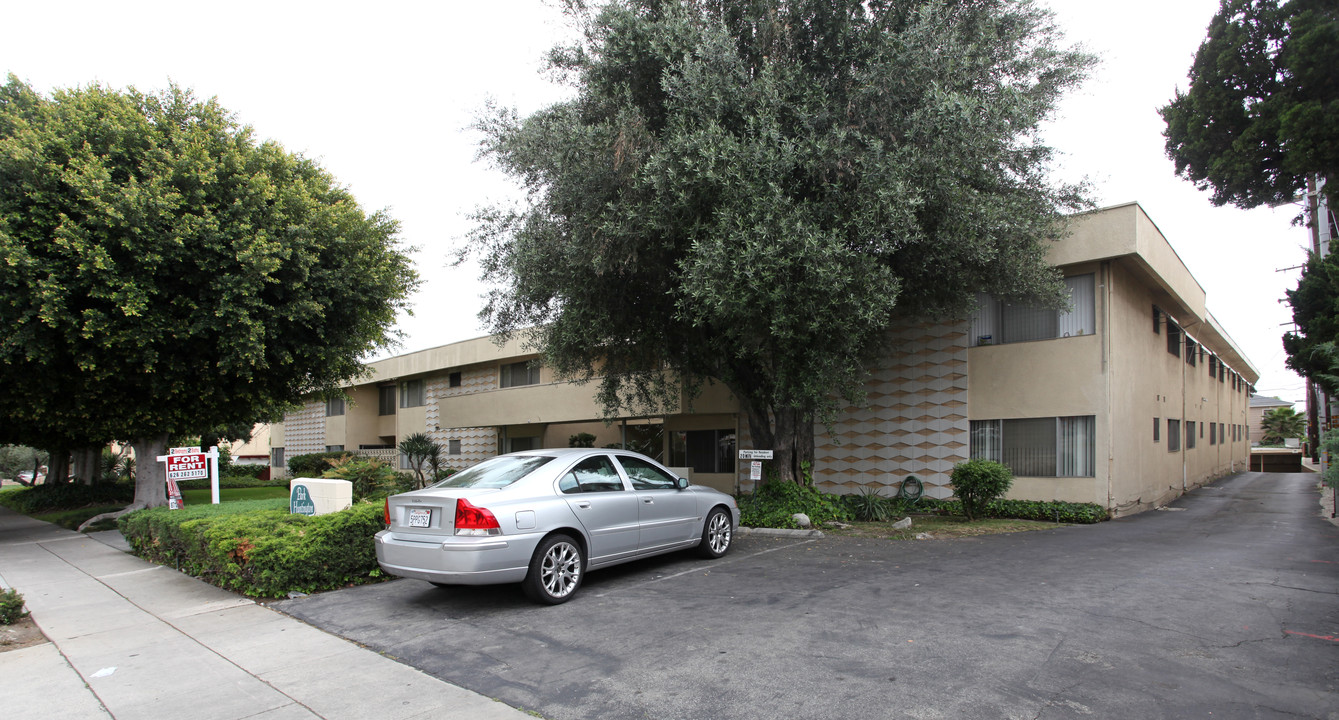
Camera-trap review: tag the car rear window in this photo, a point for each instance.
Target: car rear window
(498, 472)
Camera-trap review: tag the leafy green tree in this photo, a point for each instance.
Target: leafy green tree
(752, 191)
(164, 273)
(1280, 424)
(1315, 306)
(1259, 116)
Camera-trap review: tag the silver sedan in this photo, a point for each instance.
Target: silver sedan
(543, 518)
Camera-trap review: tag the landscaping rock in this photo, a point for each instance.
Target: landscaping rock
(902, 524)
(801, 519)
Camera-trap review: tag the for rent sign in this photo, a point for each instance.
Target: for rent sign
(187, 467)
(188, 463)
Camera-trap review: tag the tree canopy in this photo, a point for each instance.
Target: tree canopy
(1315, 303)
(1261, 114)
(752, 191)
(166, 274)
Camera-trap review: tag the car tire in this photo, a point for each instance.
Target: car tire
(556, 570)
(717, 534)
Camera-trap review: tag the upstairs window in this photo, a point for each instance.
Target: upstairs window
(518, 374)
(334, 407)
(1173, 435)
(386, 400)
(1173, 337)
(413, 394)
(996, 322)
(453, 380)
(1157, 320)
(1213, 365)
(1192, 348)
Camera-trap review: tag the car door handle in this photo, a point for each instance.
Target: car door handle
(584, 504)
(648, 500)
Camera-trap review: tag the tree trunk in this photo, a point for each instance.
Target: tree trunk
(87, 465)
(788, 433)
(58, 469)
(150, 475)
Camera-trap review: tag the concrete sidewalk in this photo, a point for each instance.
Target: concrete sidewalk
(130, 639)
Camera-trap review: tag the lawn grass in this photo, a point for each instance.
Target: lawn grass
(72, 519)
(936, 527)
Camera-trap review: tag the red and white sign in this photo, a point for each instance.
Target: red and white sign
(188, 463)
(187, 467)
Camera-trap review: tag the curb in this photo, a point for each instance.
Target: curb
(780, 532)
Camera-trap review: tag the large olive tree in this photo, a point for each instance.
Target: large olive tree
(752, 191)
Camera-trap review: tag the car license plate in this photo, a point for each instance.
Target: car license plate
(420, 517)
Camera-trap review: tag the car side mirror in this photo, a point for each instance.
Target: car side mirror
(681, 483)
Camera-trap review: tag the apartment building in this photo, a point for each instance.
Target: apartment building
(1128, 398)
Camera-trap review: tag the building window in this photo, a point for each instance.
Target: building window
(1192, 348)
(453, 380)
(1173, 337)
(386, 400)
(1157, 430)
(453, 447)
(1173, 435)
(334, 448)
(1190, 434)
(334, 407)
(518, 374)
(1222, 371)
(277, 457)
(1213, 365)
(705, 451)
(1213, 433)
(1222, 438)
(1038, 447)
(1157, 321)
(996, 322)
(412, 394)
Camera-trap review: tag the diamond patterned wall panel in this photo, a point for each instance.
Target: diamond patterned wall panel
(304, 430)
(916, 422)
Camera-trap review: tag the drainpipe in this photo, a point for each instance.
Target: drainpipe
(1106, 370)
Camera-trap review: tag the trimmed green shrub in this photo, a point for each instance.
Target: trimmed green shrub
(370, 477)
(977, 482)
(312, 465)
(232, 481)
(258, 548)
(11, 607)
(1046, 511)
(66, 496)
(248, 470)
(775, 502)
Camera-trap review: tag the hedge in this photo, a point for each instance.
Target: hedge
(1048, 511)
(231, 481)
(258, 548)
(66, 496)
(312, 465)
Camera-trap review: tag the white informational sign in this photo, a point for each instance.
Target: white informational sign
(755, 454)
(188, 463)
(755, 470)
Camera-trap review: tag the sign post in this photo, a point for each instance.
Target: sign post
(755, 466)
(189, 463)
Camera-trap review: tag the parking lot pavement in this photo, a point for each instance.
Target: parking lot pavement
(1228, 608)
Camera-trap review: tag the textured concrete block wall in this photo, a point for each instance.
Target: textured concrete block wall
(476, 443)
(304, 430)
(914, 423)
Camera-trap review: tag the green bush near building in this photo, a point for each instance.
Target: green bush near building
(258, 548)
(66, 496)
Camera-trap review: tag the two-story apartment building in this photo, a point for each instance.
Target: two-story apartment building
(1128, 398)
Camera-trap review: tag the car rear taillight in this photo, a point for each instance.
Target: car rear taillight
(387, 514)
(471, 520)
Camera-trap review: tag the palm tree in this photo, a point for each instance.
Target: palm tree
(1281, 423)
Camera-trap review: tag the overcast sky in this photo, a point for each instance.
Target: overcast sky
(382, 95)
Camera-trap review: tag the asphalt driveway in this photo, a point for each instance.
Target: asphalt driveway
(1225, 607)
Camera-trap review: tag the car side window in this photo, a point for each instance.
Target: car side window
(594, 474)
(645, 476)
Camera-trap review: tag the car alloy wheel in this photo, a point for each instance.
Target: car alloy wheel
(555, 571)
(717, 533)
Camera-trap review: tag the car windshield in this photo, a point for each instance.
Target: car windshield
(498, 472)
